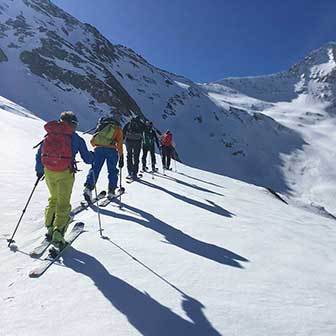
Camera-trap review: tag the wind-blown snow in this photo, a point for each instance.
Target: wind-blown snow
(190, 253)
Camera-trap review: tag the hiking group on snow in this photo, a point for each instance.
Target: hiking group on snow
(55, 161)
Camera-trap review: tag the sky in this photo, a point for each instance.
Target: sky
(207, 40)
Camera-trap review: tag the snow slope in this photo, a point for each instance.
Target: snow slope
(191, 253)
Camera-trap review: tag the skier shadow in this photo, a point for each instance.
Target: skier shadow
(143, 312)
(178, 238)
(214, 208)
(186, 184)
(200, 180)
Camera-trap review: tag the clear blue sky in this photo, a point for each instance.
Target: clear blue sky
(206, 40)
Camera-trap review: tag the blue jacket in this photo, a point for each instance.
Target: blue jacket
(78, 145)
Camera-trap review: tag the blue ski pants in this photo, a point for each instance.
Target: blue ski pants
(102, 154)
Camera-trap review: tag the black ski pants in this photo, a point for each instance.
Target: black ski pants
(145, 150)
(167, 152)
(133, 148)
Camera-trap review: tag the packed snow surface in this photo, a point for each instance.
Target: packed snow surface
(189, 253)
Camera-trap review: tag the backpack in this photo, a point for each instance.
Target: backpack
(167, 140)
(57, 146)
(134, 130)
(105, 134)
(148, 139)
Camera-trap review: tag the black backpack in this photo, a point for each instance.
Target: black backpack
(134, 130)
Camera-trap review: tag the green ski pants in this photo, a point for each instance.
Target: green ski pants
(60, 186)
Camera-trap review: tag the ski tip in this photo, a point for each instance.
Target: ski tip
(33, 255)
(79, 225)
(33, 275)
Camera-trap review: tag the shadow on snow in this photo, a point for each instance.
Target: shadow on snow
(143, 312)
(178, 238)
(186, 184)
(214, 208)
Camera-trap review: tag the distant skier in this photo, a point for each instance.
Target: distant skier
(108, 143)
(148, 145)
(167, 149)
(55, 160)
(133, 133)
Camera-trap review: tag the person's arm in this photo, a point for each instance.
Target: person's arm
(157, 140)
(38, 162)
(118, 138)
(85, 154)
(125, 129)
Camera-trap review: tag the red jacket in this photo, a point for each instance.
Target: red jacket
(167, 139)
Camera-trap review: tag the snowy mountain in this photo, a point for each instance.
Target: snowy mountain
(191, 253)
(52, 62)
(313, 76)
(301, 99)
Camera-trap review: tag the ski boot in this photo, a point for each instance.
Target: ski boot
(49, 233)
(58, 240)
(111, 193)
(88, 195)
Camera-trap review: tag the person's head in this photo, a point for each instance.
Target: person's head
(168, 132)
(149, 124)
(70, 118)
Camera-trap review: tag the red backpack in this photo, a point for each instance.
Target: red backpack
(167, 139)
(57, 148)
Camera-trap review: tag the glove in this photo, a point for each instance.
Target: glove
(39, 174)
(121, 161)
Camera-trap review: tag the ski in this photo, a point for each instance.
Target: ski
(47, 262)
(40, 249)
(108, 200)
(150, 171)
(131, 179)
(85, 205)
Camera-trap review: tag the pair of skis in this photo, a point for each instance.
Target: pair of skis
(46, 263)
(110, 199)
(56, 254)
(44, 245)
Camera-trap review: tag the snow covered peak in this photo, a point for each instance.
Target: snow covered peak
(318, 63)
(314, 75)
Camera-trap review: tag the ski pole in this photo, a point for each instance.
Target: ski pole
(10, 241)
(98, 208)
(120, 186)
(162, 161)
(89, 130)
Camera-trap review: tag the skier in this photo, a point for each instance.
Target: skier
(55, 160)
(148, 145)
(133, 132)
(166, 149)
(108, 144)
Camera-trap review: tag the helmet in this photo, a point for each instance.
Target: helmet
(69, 117)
